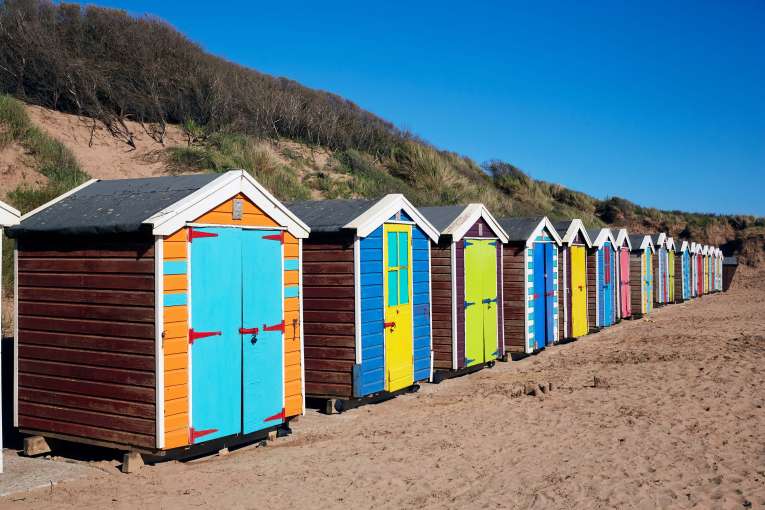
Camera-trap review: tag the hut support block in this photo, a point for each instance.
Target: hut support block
(35, 445)
(132, 462)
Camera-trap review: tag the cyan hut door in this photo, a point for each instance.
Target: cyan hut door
(262, 329)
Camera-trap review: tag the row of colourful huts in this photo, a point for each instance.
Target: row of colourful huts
(160, 315)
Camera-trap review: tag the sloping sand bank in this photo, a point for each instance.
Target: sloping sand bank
(676, 420)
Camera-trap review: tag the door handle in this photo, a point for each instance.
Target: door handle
(390, 325)
(249, 331)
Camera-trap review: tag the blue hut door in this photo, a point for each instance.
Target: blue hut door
(540, 288)
(215, 341)
(263, 351)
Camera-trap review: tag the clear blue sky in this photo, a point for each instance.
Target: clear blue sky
(662, 103)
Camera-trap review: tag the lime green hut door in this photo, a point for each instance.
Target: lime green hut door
(481, 305)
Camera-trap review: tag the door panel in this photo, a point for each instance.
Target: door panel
(474, 351)
(216, 311)
(489, 302)
(540, 338)
(399, 341)
(624, 275)
(549, 294)
(578, 291)
(263, 365)
(671, 278)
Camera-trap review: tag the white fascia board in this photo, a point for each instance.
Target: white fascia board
(228, 185)
(8, 215)
(467, 218)
(544, 223)
(647, 243)
(622, 237)
(58, 198)
(684, 246)
(383, 209)
(662, 241)
(576, 226)
(605, 235)
(671, 244)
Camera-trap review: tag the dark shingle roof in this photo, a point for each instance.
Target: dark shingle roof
(636, 240)
(519, 229)
(442, 216)
(113, 206)
(562, 226)
(329, 215)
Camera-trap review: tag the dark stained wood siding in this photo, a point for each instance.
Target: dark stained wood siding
(86, 338)
(636, 283)
(514, 294)
(441, 286)
(592, 288)
(679, 277)
(329, 315)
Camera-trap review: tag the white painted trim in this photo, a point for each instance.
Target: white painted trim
(597, 289)
(357, 296)
(58, 199)
(9, 216)
(468, 217)
(453, 262)
(383, 209)
(526, 308)
(302, 339)
(430, 306)
(16, 336)
(576, 226)
(623, 236)
(228, 185)
(543, 223)
(159, 342)
(604, 235)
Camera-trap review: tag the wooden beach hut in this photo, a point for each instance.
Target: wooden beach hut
(694, 269)
(661, 277)
(718, 269)
(730, 264)
(466, 264)
(530, 279)
(623, 274)
(367, 285)
(573, 321)
(641, 263)
(159, 314)
(699, 265)
(8, 217)
(601, 275)
(683, 278)
(671, 252)
(705, 263)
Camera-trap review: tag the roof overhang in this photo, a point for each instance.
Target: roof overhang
(623, 237)
(661, 241)
(8, 215)
(383, 209)
(604, 235)
(543, 224)
(225, 187)
(671, 244)
(575, 227)
(684, 246)
(705, 250)
(467, 218)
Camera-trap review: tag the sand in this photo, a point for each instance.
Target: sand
(676, 421)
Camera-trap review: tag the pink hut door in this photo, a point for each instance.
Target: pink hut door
(624, 284)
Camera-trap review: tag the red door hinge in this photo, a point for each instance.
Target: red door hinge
(194, 234)
(195, 434)
(276, 237)
(278, 416)
(196, 335)
(275, 327)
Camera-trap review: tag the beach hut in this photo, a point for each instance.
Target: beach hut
(530, 276)
(623, 273)
(572, 279)
(683, 279)
(660, 277)
(730, 264)
(466, 264)
(671, 253)
(694, 269)
(8, 217)
(641, 263)
(699, 284)
(718, 269)
(705, 266)
(159, 314)
(367, 319)
(601, 278)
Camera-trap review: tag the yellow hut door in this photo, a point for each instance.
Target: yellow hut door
(578, 292)
(399, 341)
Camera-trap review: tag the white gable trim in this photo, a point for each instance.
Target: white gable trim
(671, 244)
(684, 246)
(8, 215)
(576, 226)
(467, 218)
(383, 209)
(605, 235)
(661, 242)
(543, 224)
(228, 185)
(622, 237)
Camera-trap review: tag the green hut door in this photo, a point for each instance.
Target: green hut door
(481, 306)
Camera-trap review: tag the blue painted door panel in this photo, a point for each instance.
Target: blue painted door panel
(216, 309)
(539, 295)
(549, 294)
(263, 364)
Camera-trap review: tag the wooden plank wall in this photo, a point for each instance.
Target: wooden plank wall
(679, 277)
(636, 289)
(592, 287)
(441, 268)
(328, 315)
(515, 295)
(86, 338)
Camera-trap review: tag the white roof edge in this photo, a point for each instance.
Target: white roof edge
(467, 218)
(574, 226)
(622, 236)
(229, 184)
(9, 216)
(383, 209)
(58, 198)
(544, 223)
(684, 246)
(599, 240)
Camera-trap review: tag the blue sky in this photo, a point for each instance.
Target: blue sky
(662, 103)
